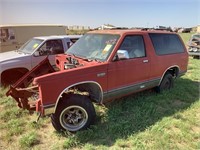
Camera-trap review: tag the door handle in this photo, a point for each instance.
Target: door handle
(145, 61)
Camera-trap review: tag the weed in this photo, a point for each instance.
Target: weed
(29, 140)
(70, 142)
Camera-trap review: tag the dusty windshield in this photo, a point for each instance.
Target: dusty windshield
(30, 46)
(94, 46)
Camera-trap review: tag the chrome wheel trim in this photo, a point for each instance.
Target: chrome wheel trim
(73, 118)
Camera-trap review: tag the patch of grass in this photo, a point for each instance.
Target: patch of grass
(173, 132)
(186, 36)
(29, 140)
(12, 113)
(6, 101)
(70, 142)
(15, 127)
(42, 123)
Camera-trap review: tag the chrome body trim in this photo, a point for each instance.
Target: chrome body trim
(167, 70)
(119, 92)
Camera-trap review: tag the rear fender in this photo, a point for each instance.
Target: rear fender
(174, 70)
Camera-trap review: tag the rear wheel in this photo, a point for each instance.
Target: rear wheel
(73, 113)
(166, 84)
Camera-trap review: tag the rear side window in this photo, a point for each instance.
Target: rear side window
(166, 43)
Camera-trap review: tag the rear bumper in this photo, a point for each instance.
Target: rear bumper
(182, 73)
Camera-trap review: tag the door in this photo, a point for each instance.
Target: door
(51, 48)
(129, 74)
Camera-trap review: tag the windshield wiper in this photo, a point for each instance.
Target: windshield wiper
(94, 59)
(20, 51)
(97, 60)
(84, 58)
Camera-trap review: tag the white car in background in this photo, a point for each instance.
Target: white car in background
(14, 64)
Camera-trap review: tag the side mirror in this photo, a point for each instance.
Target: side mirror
(122, 54)
(37, 53)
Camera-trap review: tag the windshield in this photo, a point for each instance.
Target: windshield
(94, 46)
(30, 46)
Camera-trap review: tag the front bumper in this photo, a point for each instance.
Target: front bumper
(25, 99)
(194, 53)
(23, 91)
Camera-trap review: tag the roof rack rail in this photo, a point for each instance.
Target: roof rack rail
(151, 29)
(146, 29)
(121, 28)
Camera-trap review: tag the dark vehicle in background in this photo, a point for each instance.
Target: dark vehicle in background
(194, 46)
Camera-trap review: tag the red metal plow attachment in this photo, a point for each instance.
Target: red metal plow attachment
(23, 89)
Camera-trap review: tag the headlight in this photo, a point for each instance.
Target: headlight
(192, 49)
(69, 66)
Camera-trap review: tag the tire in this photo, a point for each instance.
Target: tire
(166, 84)
(73, 113)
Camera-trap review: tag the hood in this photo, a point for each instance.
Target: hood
(12, 55)
(85, 72)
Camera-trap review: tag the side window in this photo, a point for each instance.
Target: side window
(134, 45)
(69, 44)
(7, 35)
(166, 43)
(72, 41)
(52, 47)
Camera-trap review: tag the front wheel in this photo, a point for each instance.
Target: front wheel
(166, 84)
(74, 113)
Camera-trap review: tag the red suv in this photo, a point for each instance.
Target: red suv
(101, 66)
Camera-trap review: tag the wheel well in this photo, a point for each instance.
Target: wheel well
(13, 72)
(18, 70)
(92, 89)
(174, 71)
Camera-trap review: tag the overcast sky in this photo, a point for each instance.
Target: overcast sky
(93, 13)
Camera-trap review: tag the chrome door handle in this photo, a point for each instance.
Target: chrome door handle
(145, 61)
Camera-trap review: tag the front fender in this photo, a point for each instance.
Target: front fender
(52, 86)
